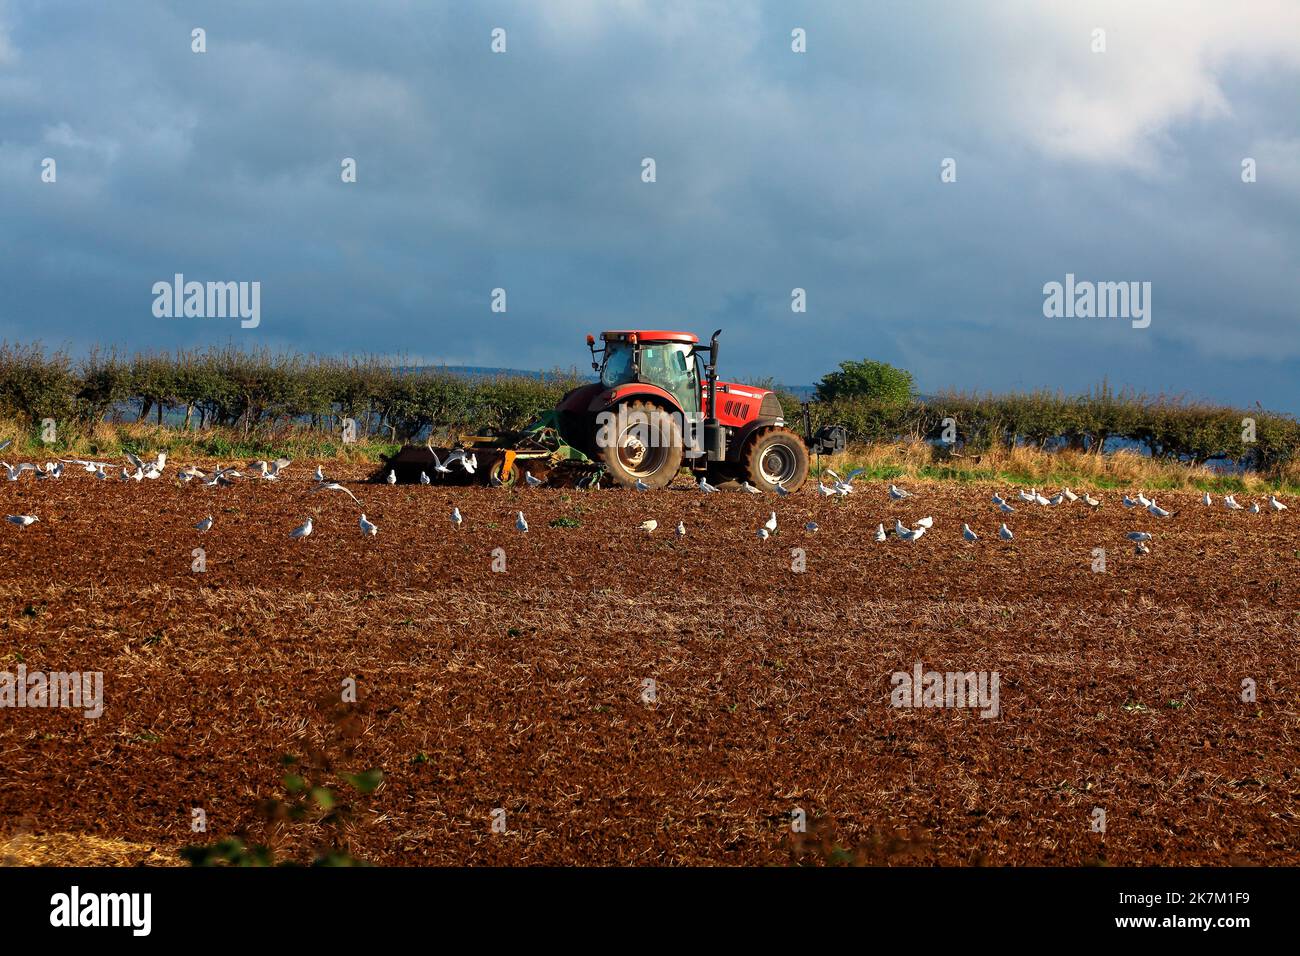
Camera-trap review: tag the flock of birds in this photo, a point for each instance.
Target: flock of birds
(138, 469)
(842, 487)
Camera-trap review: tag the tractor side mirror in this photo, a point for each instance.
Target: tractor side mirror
(591, 346)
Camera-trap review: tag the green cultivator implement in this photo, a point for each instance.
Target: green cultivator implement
(503, 459)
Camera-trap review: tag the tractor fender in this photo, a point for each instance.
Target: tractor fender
(608, 398)
(744, 433)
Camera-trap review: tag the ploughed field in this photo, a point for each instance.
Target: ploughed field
(528, 691)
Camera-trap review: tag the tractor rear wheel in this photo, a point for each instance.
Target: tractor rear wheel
(775, 456)
(645, 445)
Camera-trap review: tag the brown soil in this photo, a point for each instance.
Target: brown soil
(523, 690)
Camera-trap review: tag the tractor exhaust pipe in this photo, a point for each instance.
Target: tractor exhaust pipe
(715, 437)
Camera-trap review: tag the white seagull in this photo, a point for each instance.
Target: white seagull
(1005, 533)
(335, 486)
(456, 519)
(749, 489)
(520, 523)
(392, 477)
(681, 529)
(1159, 512)
(368, 527)
(880, 532)
(530, 480)
(898, 494)
(205, 524)
(810, 527)
(1275, 504)
(770, 523)
(1230, 502)
(22, 520)
(1139, 536)
(649, 526)
(968, 534)
(424, 478)
(302, 530)
(705, 487)
(763, 534)
(1207, 500)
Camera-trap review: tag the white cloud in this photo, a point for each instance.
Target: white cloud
(1164, 64)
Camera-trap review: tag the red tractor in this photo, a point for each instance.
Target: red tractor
(659, 404)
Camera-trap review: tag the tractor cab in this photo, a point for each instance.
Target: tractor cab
(668, 360)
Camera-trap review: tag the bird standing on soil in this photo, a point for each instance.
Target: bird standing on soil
(531, 481)
(968, 534)
(810, 527)
(392, 476)
(205, 524)
(367, 527)
(705, 487)
(880, 534)
(649, 525)
(1005, 533)
(911, 534)
(1159, 512)
(1141, 548)
(1091, 502)
(424, 478)
(749, 489)
(1275, 504)
(770, 523)
(925, 523)
(1006, 509)
(302, 530)
(1139, 536)
(781, 490)
(1230, 502)
(1128, 502)
(898, 494)
(681, 529)
(456, 519)
(22, 521)
(1207, 500)
(1254, 507)
(763, 534)
(319, 474)
(520, 523)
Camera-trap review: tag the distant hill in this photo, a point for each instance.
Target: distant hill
(804, 392)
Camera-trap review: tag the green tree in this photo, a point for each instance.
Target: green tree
(873, 381)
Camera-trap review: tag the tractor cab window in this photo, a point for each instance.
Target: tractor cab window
(672, 368)
(670, 365)
(617, 369)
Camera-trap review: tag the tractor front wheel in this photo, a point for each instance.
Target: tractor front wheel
(645, 445)
(775, 456)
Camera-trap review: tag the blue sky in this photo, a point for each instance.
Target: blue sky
(775, 170)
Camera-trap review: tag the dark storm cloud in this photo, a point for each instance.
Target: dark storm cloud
(775, 170)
